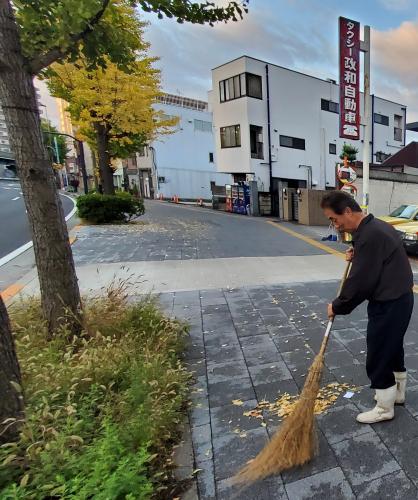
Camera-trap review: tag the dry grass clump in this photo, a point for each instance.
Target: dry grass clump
(101, 409)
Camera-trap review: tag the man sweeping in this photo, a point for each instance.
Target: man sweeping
(381, 274)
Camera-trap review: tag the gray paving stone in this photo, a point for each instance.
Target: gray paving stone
(355, 374)
(403, 428)
(346, 334)
(269, 372)
(217, 321)
(206, 481)
(199, 412)
(390, 487)
(222, 393)
(262, 354)
(411, 401)
(202, 443)
(224, 371)
(324, 460)
(364, 458)
(273, 390)
(268, 489)
(338, 359)
(330, 484)
(406, 455)
(219, 338)
(247, 330)
(215, 309)
(229, 418)
(340, 423)
(224, 352)
(231, 451)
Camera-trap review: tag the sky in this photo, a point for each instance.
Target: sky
(298, 34)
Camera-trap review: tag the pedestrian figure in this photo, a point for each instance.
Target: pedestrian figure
(380, 273)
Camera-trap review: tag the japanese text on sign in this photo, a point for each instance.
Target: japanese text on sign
(349, 79)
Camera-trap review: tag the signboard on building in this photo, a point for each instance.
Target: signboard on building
(349, 79)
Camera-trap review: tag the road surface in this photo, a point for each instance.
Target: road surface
(14, 225)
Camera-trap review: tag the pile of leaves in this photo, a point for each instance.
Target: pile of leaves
(101, 208)
(102, 409)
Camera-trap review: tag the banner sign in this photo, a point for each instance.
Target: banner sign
(349, 79)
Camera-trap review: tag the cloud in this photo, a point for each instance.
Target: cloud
(189, 52)
(395, 62)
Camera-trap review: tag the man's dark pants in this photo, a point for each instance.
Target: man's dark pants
(388, 322)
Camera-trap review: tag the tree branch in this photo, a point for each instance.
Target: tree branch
(42, 61)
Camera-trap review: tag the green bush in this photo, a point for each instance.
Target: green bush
(103, 208)
(102, 410)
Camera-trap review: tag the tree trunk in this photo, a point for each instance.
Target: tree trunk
(106, 171)
(58, 281)
(11, 401)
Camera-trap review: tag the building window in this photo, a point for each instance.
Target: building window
(397, 134)
(397, 131)
(210, 157)
(292, 142)
(381, 119)
(256, 142)
(245, 84)
(141, 151)
(202, 126)
(231, 136)
(332, 149)
(254, 86)
(381, 156)
(331, 106)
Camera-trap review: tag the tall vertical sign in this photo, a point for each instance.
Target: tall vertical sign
(349, 79)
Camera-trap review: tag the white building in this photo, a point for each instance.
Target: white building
(180, 164)
(303, 133)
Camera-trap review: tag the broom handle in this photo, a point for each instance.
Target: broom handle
(331, 321)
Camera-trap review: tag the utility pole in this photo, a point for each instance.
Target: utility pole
(365, 48)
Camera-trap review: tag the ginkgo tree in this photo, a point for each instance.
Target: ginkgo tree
(33, 35)
(111, 108)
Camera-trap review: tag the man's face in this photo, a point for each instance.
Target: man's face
(343, 223)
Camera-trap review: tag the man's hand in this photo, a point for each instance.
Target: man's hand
(331, 314)
(349, 254)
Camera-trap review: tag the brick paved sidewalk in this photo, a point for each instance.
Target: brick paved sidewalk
(257, 343)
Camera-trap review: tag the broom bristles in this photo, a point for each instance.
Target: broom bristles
(295, 442)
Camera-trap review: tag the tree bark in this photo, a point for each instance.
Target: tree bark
(11, 400)
(58, 281)
(105, 170)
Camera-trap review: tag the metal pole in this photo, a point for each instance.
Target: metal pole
(366, 120)
(57, 154)
(83, 166)
(269, 140)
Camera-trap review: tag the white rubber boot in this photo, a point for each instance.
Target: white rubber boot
(400, 378)
(384, 409)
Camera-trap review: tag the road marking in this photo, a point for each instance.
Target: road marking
(308, 240)
(17, 198)
(11, 291)
(12, 255)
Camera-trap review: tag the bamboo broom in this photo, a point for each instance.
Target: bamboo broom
(296, 442)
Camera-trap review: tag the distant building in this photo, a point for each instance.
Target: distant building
(183, 163)
(300, 145)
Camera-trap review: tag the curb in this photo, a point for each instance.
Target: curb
(12, 255)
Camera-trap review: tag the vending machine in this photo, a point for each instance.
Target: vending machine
(228, 200)
(241, 199)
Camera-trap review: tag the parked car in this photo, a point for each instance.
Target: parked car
(409, 235)
(401, 215)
